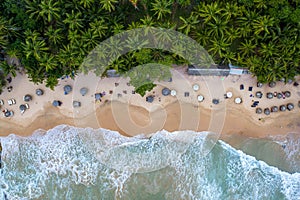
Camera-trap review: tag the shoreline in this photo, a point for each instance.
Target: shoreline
(132, 115)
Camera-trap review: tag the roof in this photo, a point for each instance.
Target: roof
(112, 73)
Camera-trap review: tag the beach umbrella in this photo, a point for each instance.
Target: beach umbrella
(173, 93)
(282, 108)
(267, 111)
(270, 95)
(287, 94)
(290, 81)
(274, 109)
(83, 91)
(290, 106)
(279, 96)
(27, 98)
(272, 84)
(39, 92)
(56, 103)
(200, 98)
(98, 96)
(259, 94)
(22, 107)
(8, 113)
(215, 101)
(238, 100)
(259, 84)
(67, 89)
(76, 104)
(258, 110)
(229, 94)
(196, 87)
(166, 91)
(150, 99)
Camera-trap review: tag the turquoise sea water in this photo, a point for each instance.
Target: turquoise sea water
(75, 163)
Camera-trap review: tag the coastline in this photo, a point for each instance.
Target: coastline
(138, 116)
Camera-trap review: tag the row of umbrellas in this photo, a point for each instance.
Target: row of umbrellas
(273, 83)
(270, 95)
(282, 108)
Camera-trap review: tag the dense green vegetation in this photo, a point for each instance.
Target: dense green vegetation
(52, 37)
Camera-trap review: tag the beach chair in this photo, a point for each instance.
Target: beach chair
(242, 87)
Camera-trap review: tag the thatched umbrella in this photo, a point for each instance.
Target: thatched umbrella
(173, 93)
(229, 94)
(215, 101)
(287, 93)
(67, 89)
(166, 91)
(39, 92)
(259, 94)
(27, 98)
(290, 106)
(238, 100)
(76, 104)
(196, 87)
(259, 84)
(267, 111)
(282, 108)
(274, 109)
(259, 110)
(83, 91)
(200, 98)
(279, 96)
(272, 84)
(150, 99)
(270, 95)
(22, 107)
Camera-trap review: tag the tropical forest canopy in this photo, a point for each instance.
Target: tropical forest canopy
(52, 37)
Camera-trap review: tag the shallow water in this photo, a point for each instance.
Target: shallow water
(75, 163)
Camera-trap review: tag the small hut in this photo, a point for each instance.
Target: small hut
(173, 93)
(272, 84)
(150, 99)
(76, 104)
(196, 87)
(238, 100)
(279, 95)
(259, 84)
(287, 94)
(274, 109)
(200, 98)
(215, 101)
(270, 95)
(166, 91)
(83, 91)
(39, 92)
(282, 108)
(290, 106)
(27, 98)
(259, 110)
(267, 111)
(259, 94)
(67, 89)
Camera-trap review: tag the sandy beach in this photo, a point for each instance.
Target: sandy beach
(130, 114)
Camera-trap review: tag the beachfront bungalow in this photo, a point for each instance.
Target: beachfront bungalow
(214, 70)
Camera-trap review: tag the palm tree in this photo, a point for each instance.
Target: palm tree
(55, 36)
(99, 27)
(89, 40)
(219, 46)
(74, 20)
(86, 3)
(34, 45)
(217, 26)
(73, 36)
(34, 9)
(263, 24)
(247, 48)
(161, 8)
(49, 10)
(49, 62)
(108, 4)
(268, 50)
(209, 11)
(246, 22)
(231, 10)
(189, 23)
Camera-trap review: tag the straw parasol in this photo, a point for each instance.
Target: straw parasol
(215, 101)
(272, 84)
(270, 95)
(287, 94)
(27, 98)
(22, 107)
(196, 87)
(200, 98)
(259, 84)
(259, 94)
(229, 94)
(166, 91)
(76, 104)
(274, 109)
(259, 110)
(279, 96)
(83, 91)
(282, 108)
(173, 93)
(267, 111)
(238, 100)
(290, 106)
(67, 89)
(39, 92)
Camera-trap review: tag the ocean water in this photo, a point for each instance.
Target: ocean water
(76, 163)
